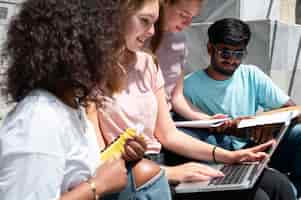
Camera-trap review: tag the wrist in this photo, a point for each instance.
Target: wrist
(202, 116)
(223, 155)
(171, 174)
(100, 188)
(93, 189)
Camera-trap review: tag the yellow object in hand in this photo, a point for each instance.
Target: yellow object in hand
(115, 149)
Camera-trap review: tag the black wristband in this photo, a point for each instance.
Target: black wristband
(213, 154)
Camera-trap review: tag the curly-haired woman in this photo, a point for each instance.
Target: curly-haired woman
(58, 54)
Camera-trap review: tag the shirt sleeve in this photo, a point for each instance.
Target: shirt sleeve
(32, 157)
(269, 95)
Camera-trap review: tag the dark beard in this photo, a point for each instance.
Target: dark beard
(221, 70)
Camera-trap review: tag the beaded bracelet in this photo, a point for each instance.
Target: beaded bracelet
(93, 189)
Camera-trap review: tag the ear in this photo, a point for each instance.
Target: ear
(209, 48)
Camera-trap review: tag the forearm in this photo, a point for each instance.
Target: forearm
(183, 106)
(83, 192)
(173, 139)
(187, 110)
(188, 146)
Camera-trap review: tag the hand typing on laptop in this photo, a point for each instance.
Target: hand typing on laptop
(253, 154)
(192, 171)
(241, 172)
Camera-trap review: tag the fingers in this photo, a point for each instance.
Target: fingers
(199, 172)
(255, 153)
(209, 171)
(195, 176)
(253, 157)
(263, 147)
(204, 169)
(134, 149)
(219, 116)
(141, 141)
(227, 124)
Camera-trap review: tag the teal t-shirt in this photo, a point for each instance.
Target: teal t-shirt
(241, 95)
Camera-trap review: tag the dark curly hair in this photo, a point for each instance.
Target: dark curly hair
(71, 42)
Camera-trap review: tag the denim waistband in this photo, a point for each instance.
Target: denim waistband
(156, 157)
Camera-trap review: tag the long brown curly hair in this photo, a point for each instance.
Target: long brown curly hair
(71, 42)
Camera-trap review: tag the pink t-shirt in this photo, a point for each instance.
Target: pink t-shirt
(136, 104)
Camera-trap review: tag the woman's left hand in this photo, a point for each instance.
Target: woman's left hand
(252, 154)
(134, 148)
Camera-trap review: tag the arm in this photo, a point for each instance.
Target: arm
(176, 141)
(183, 106)
(103, 182)
(43, 174)
(182, 144)
(25, 181)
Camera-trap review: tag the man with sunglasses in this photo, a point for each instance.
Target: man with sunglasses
(229, 87)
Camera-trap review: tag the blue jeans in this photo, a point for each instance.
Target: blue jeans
(155, 189)
(286, 159)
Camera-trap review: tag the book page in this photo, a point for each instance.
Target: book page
(274, 118)
(201, 123)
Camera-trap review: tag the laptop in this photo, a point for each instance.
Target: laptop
(237, 176)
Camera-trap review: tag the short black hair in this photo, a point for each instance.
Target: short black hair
(229, 31)
(74, 42)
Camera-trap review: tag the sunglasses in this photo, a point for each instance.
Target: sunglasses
(226, 53)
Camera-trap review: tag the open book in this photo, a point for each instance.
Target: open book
(201, 123)
(273, 118)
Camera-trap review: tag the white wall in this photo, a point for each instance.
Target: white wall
(244, 9)
(8, 8)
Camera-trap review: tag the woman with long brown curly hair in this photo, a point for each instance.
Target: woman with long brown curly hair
(61, 55)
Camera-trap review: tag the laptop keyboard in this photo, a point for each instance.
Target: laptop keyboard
(234, 174)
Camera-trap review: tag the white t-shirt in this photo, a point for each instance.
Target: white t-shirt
(46, 148)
